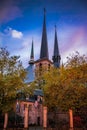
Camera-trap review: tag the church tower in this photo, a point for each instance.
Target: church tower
(56, 56)
(43, 63)
(30, 69)
(32, 54)
(44, 44)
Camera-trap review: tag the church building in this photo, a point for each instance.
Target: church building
(43, 61)
(35, 103)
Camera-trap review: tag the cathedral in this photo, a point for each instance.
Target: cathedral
(35, 103)
(43, 61)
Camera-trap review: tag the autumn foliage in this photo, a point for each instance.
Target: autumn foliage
(66, 87)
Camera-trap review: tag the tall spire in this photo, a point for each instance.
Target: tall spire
(32, 54)
(44, 44)
(56, 56)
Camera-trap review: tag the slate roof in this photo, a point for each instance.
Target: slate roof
(56, 49)
(44, 44)
(56, 56)
(30, 74)
(38, 92)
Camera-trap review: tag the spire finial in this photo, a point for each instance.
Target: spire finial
(55, 26)
(44, 11)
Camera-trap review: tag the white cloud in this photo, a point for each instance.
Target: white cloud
(25, 47)
(13, 33)
(16, 34)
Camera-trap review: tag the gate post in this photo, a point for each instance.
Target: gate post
(26, 115)
(71, 119)
(44, 117)
(5, 120)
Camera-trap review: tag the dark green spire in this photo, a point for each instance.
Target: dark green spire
(56, 56)
(32, 55)
(44, 44)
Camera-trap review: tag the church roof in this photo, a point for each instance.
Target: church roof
(32, 54)
(56, 48)
(30, 77)
(56, 56)
(30, 74)
(44, 44)
(38, 92)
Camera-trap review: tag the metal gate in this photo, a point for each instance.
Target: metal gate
(58, 120)
(80, 120)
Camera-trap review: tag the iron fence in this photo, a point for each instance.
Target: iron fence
(55, 121)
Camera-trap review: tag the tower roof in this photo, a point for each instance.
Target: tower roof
(56, 48)
(30, 69)
(44, 44)
(32, 54)
(56, 56)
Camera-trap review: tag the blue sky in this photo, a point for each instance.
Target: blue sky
(22, 20)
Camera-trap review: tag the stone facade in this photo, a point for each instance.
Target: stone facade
(35, 111)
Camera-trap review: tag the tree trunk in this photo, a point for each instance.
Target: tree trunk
(5, 120)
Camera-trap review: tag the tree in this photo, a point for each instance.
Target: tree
(66, 87)
(76, 81)
(12, 75)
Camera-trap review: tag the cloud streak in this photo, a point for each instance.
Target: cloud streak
(9, 11)
(70, 39)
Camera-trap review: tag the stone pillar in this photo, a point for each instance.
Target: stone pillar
(26, 115)
(44, 117)
(71, 119)
(6, 120)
